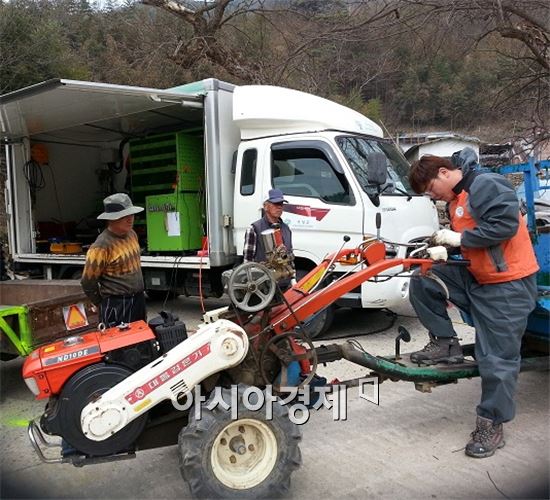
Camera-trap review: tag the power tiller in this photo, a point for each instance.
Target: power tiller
(115, 391)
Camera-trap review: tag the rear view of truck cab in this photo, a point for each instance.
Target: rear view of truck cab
(321, 155)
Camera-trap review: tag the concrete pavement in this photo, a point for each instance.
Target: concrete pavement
(409, 446)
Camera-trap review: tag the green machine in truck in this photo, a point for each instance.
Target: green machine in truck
(173, 222)
(167, 178)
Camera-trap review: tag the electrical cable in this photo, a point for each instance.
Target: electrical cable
(34, 176)
(357, 345)
(172, 280)
(57, 201)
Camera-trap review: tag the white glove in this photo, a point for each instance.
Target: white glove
(437, 253)
(293, 281)
(447, 237)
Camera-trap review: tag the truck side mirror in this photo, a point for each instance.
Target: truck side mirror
(377, 172)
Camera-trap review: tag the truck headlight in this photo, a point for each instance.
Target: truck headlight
(32, 385)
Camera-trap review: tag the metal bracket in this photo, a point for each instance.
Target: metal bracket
(37, 440)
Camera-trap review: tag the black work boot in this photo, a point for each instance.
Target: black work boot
(486, 439)
(439, 350)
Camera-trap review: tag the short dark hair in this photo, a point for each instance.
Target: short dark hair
(424, 170)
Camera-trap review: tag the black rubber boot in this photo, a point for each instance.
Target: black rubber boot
(439, 350)
(486, 439)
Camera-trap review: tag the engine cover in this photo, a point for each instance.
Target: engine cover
(213, 348)
(52, 365)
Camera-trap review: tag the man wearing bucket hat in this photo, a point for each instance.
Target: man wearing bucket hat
(254, 250)
(112, 277)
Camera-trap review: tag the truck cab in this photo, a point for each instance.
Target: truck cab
(322, 167)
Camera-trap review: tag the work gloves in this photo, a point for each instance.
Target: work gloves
(442, 239)
(446, 237)
(437, 253)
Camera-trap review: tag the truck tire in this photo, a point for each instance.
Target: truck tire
(320, 322)
(7, 356)
(250, 457)
(317, 324)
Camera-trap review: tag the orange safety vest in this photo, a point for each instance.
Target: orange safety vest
(517, 252)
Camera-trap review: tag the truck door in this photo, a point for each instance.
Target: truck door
(248, 191)
(323, 205)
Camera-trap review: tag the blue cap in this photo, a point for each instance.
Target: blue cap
(276, 196)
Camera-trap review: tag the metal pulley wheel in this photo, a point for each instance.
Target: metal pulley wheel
(251, 287)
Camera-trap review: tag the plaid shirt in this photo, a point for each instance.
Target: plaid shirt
(249, 251)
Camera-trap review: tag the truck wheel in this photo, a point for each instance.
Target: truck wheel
(250, 457)
(7, 356)
(321, 321)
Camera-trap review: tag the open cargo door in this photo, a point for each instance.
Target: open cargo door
(75, 111)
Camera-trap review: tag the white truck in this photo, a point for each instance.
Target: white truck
(69, 143)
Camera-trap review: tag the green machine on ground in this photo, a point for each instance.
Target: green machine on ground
(168, 177)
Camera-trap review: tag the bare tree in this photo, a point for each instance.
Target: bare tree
(295, 30)
(207, 20)
(526, 24)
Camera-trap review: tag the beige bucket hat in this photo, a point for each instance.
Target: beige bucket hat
(118, 205)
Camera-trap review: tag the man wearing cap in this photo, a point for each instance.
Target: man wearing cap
(112, 277)
(254, 250)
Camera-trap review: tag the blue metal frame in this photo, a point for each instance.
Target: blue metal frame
(539, 320)
(531, 181)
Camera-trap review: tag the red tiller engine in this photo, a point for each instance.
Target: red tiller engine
(76, 370)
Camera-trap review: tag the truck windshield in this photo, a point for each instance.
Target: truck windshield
(357, 149)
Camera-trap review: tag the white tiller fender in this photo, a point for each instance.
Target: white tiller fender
(213, 348)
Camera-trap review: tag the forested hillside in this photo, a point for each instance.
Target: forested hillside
(481, 67)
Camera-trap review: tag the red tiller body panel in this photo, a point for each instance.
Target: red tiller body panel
(52, 365)
(115, 338)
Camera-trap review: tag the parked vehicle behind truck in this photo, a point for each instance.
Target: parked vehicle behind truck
(200, 158)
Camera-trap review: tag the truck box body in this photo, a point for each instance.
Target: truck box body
(97, 140)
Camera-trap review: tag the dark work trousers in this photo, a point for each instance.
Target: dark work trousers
(499, 312)
(118, 309)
